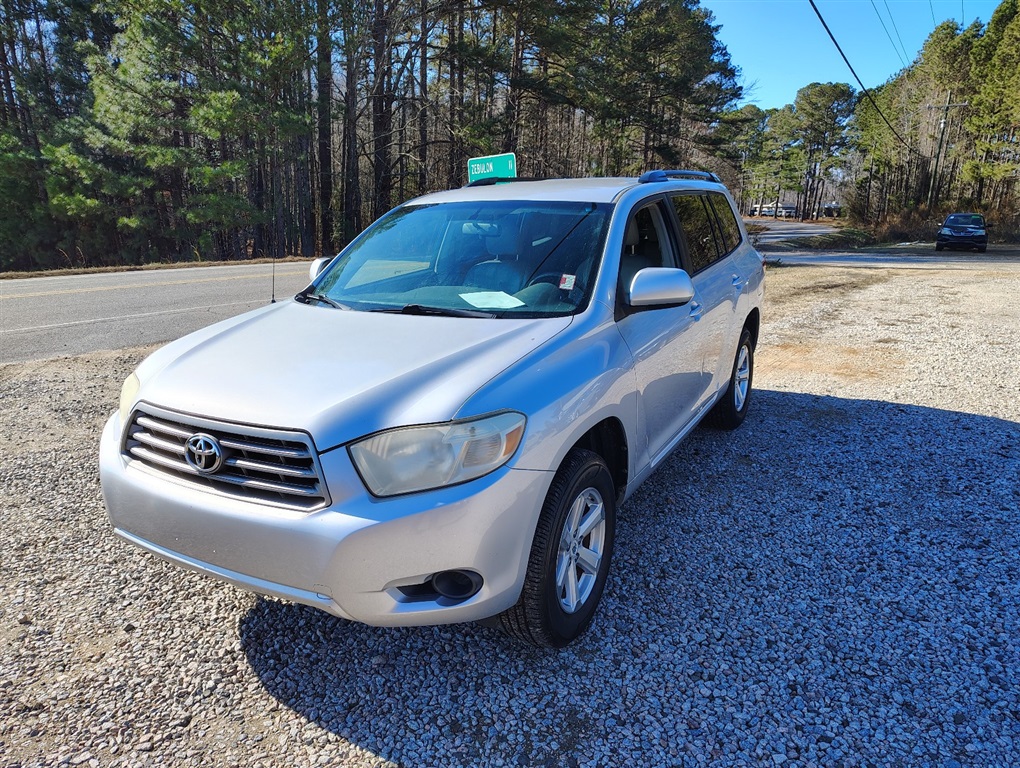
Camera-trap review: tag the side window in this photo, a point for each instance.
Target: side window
(727, 221)
(696, 222)
(646, 243)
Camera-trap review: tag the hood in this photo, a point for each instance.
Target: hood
(336, 374)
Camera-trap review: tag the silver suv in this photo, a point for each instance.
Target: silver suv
(442, 426)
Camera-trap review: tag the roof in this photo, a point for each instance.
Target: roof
(592, 190)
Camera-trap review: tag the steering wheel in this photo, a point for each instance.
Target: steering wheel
(546, 277)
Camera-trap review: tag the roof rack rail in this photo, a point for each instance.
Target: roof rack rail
(490, 180)
(653, 176)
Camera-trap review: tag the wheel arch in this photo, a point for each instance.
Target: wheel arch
(753, 324)
(608, 439)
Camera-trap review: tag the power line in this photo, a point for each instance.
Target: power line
(886, 30)
(895, 28)
(932, 9)
(854, 73)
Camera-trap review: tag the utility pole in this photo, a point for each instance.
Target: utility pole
(933, 183)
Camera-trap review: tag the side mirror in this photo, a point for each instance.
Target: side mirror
(660, 287)
(317, 266)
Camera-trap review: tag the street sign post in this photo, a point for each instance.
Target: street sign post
(492, 166)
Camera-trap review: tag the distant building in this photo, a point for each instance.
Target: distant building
(831, 210)
(773, 210)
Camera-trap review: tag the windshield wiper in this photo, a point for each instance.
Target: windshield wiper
(305, 297)
(421, 309)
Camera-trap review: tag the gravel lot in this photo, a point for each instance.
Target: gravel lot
(836, 583)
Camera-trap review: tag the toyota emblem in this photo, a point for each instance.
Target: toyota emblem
(203, 453)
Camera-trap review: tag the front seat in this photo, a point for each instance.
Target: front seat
(638, 252)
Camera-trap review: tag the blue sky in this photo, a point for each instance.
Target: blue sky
(780, 45)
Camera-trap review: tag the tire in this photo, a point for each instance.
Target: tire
(732, 407)
(548, 614)
(982, 249)
(939, 246)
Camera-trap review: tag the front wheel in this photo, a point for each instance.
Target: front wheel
(570, 555)
(731, 409)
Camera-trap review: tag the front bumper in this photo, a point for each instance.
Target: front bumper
(962, 241)
(348, 559)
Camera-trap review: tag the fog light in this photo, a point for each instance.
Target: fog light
(457, 585)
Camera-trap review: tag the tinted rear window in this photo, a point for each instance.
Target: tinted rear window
(696, 221)
(727, 221)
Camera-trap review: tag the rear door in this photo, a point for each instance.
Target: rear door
(710, 240)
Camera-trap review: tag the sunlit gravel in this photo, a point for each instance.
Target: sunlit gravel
(836, 583)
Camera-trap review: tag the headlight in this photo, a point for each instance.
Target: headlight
(421, 458)
(127, 396)
(945, 231)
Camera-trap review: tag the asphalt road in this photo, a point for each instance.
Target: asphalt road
(901, 257)
(787, 229)
(44, 317)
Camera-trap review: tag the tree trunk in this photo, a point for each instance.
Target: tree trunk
(511, 135)
(423, 101)
(9, 106)
(382, 111)
(351, 173)
(324, 120)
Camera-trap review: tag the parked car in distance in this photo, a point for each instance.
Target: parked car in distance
(772, 210)
(441, 427)
(963, 230)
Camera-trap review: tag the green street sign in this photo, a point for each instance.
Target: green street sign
(499, 166)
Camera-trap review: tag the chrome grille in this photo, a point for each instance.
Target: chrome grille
(262, 465)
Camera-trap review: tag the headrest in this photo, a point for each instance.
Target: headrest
(505, 243)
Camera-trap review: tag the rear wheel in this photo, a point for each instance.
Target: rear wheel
(731, 409)
(570, 555)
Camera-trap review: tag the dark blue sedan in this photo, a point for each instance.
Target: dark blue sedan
(963, 230)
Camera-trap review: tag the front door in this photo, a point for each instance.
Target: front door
(664, 342)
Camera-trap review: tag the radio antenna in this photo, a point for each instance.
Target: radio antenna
(272, 298)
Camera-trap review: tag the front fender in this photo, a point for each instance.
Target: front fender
(567, 386)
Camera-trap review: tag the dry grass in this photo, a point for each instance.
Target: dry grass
(844, 238)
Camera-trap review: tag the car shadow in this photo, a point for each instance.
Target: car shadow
(832, 567)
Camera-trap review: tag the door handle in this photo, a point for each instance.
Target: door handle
(696, 310)
(738, 282)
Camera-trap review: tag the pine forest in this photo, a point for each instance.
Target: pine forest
(135, 131)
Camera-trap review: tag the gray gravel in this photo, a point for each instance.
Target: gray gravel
(836, 583)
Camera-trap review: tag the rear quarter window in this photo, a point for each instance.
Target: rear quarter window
(727, 221)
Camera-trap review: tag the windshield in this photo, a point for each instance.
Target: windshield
(497, 259)
(965, 220)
